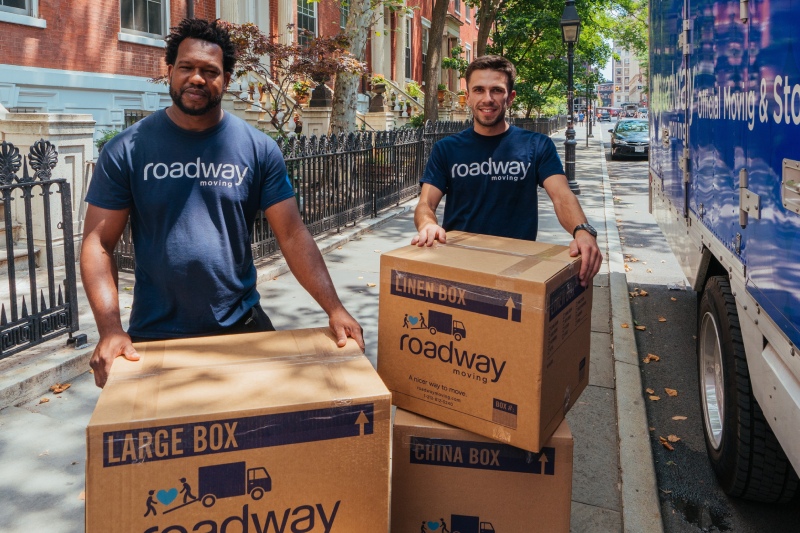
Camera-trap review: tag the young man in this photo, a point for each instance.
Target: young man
(193, 178)
(491, 173)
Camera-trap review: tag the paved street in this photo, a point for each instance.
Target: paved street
(691, 500)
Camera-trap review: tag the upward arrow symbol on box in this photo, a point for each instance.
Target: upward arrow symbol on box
(510, 305)
(361, 420)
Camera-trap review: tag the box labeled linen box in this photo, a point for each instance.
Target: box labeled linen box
(279, 431)
(448, 479)
(487, 334)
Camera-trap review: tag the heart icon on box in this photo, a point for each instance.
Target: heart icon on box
(433, 526)
(413, 320)
(167, 496)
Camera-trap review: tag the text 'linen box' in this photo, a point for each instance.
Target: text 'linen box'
(278, 431)
(487, 334)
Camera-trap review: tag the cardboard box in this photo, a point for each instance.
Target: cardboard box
(264, 432)
(474, 484)
(487, 334)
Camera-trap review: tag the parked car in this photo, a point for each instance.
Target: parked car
(642, 112)
(605, 116)
(630, 137)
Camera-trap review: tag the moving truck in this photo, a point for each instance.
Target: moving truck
(725, 190)
(444, 323)
(469, 524)
(232, 479)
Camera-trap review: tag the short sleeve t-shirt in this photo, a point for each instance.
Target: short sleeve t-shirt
(193, 198)
(491, 182)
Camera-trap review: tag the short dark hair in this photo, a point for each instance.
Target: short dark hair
(498, 63)
(213, 32)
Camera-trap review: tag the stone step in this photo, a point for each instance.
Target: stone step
(16, 231)
(20, 259)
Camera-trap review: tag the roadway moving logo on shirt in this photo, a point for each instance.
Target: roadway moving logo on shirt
(497, 170)
(224, 174)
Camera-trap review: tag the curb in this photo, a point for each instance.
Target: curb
(30, 374)
(641, 510)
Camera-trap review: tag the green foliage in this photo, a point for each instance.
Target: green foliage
(456, 61)
(441, 87)
(105, 136)
(414, 90)
(301, 88)
(416, 121)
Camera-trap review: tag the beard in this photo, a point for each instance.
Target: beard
(212, 102)
(491, 123)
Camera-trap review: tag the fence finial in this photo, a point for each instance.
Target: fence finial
(10, 161)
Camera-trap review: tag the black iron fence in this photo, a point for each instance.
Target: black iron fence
(35, 304)
(341, 179)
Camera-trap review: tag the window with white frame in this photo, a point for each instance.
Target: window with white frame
(426, 34)
(306, 20)
(467, 9)
(143, 17)
(20, 7)
(408, 47)
(457, 6)
(344, 12)
(468, 56)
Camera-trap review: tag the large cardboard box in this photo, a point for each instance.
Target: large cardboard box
(448, 479)
(485, 333)
(264, 432)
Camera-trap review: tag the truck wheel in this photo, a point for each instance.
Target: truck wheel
(457, 336)
(432, 330)
(208, 500)
(257, 493)
(744, 453)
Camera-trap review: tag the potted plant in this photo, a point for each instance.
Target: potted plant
(378, 83)
(462, 97)
(441, 88)
(301, 91)
(414, 90)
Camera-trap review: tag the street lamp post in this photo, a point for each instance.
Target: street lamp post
(570, 31)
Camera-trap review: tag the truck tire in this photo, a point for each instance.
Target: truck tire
(744, 453)
(257, 493)
(208, 500)
(432, 330)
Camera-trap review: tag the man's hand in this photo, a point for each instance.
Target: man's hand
(586, 246)
(428, 234)
(343, 325)
(107, 349)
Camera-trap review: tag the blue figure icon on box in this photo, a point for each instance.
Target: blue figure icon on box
(459, 524)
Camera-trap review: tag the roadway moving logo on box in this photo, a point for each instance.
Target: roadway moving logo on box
(488, 334)
(200, 436)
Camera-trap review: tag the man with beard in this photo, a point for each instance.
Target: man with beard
(193, 179)
(491, 173)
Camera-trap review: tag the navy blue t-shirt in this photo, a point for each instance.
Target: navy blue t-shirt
(491, 182)
(193, 197)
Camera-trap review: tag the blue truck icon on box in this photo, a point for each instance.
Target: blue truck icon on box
(444, 323)
(469, 524)
(232, 479)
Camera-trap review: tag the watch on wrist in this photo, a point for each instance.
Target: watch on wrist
(585, 227)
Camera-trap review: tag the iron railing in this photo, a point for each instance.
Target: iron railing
(546, 126)
(35, 306)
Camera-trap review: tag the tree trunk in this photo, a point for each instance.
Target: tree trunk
(487, 12)
(345, 95)
(433, 67)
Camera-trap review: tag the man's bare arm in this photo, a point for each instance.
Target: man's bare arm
(306, 263)
(569, 213)
(102, 230)
(425, 217)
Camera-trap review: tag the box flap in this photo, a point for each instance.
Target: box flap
(210, 375)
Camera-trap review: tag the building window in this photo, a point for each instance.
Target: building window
(21, 7)
(306, 20)
(425, 36)
(143, 17)
(132, 116)
(468, 56)
(408, 48)
(466, 12)
(457, 6)
(344, 12)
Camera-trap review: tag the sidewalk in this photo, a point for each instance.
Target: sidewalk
(42, 446)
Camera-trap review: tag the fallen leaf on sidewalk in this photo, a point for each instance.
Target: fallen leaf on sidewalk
(654, 398)
(127, 288)
(643, 293)
(674, 299)
(651, 357)
(58, 388)
(44, 400)
(662, 319)
(360, 277)
(671, 392)
(665, 491)
(652, 428)
(679, 417)
(624, 325)
(644, 262)
(666, 444)
(627, 268)
(649, 391)
(376, 251)
(673, 438)
(370, 284)
(641, 328)
(649, 270)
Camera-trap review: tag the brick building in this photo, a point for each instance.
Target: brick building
(96, 56)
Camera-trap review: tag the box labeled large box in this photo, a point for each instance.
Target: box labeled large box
(487, 334)
(448, 479)
(262, 432)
